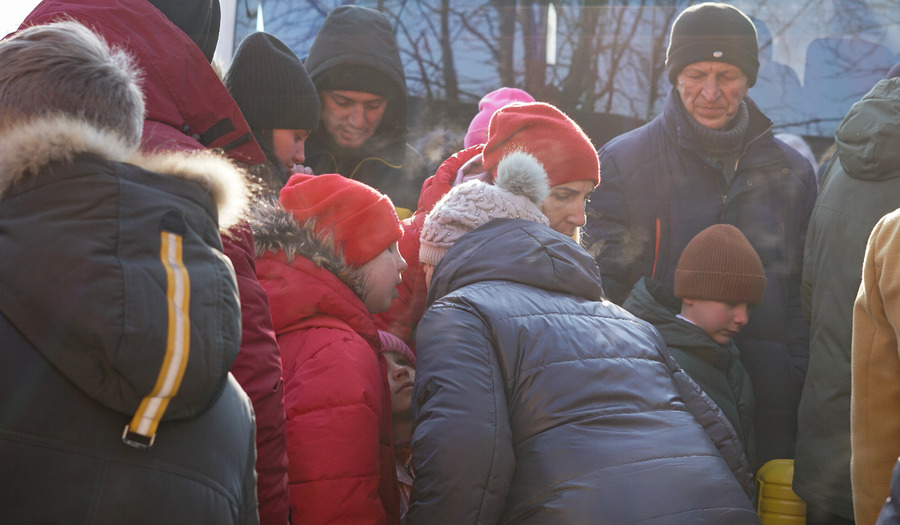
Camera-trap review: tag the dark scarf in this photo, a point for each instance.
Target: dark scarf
(723, 147)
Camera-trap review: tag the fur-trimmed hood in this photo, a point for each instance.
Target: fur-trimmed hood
(26, 149)
(306, 281)
(275, 230)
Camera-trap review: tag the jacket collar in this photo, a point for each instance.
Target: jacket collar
(518, 251)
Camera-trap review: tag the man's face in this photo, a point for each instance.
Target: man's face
(719, 320)
(351, 117)
(712, 92)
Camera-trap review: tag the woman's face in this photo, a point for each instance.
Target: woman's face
(289, 146)
(564, 207)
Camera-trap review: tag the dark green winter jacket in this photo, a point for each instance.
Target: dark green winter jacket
(715, 367)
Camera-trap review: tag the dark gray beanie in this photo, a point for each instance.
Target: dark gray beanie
(198, 19)
(714, 32)
(271, 86)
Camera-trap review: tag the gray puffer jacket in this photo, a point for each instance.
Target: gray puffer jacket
(536, 401)
(119, 321)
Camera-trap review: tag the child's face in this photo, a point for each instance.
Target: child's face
(400, 378)
(381, 276)
(721, 321)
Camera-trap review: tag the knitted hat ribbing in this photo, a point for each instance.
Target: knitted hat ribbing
(362, 220)
(271, 86)
(713, 32)
(520, 189)
(719, 264)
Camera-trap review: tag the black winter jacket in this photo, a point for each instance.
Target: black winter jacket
(536, 401)
(117, 302)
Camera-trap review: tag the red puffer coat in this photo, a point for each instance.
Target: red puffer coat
(337, 397)
(188, 108)
(408, 307)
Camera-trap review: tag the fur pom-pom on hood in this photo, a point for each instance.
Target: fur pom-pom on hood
(27, 147)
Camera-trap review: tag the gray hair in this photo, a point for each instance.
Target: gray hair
(65, 68)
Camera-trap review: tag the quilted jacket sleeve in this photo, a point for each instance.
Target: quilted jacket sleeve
(462, 444)
(718, 428)
(333, 399)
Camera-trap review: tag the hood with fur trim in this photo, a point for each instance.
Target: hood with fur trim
(114, 272)
(275, 230)
(308, 284)
(27, 148)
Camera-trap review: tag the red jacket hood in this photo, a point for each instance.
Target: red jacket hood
(188, 107)
(301, 293)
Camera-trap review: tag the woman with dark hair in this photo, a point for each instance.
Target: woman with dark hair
(280, 103)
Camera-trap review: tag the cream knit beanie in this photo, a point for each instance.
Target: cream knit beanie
(518, 192)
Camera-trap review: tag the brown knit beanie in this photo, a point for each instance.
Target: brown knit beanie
(719, 264)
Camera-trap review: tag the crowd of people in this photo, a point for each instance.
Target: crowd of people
(256, 306)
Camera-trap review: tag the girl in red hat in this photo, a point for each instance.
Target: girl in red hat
(328, 258)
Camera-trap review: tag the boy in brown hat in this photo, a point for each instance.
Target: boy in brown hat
(718, 278)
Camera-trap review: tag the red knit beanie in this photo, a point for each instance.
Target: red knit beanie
(362, 220)
(719, 264)
(550, 135)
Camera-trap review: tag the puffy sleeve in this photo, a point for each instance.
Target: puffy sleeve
(334, 403)
(462, 443)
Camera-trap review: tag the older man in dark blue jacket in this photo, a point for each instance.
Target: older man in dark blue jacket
(711, 158)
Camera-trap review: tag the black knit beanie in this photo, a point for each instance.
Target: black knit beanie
(198, 19)
(719, 264)
(271, 86)
(713, 32)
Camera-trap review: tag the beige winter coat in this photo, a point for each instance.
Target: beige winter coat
(875, 367)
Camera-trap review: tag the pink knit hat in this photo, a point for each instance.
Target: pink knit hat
(392, 343)
(478, 128)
